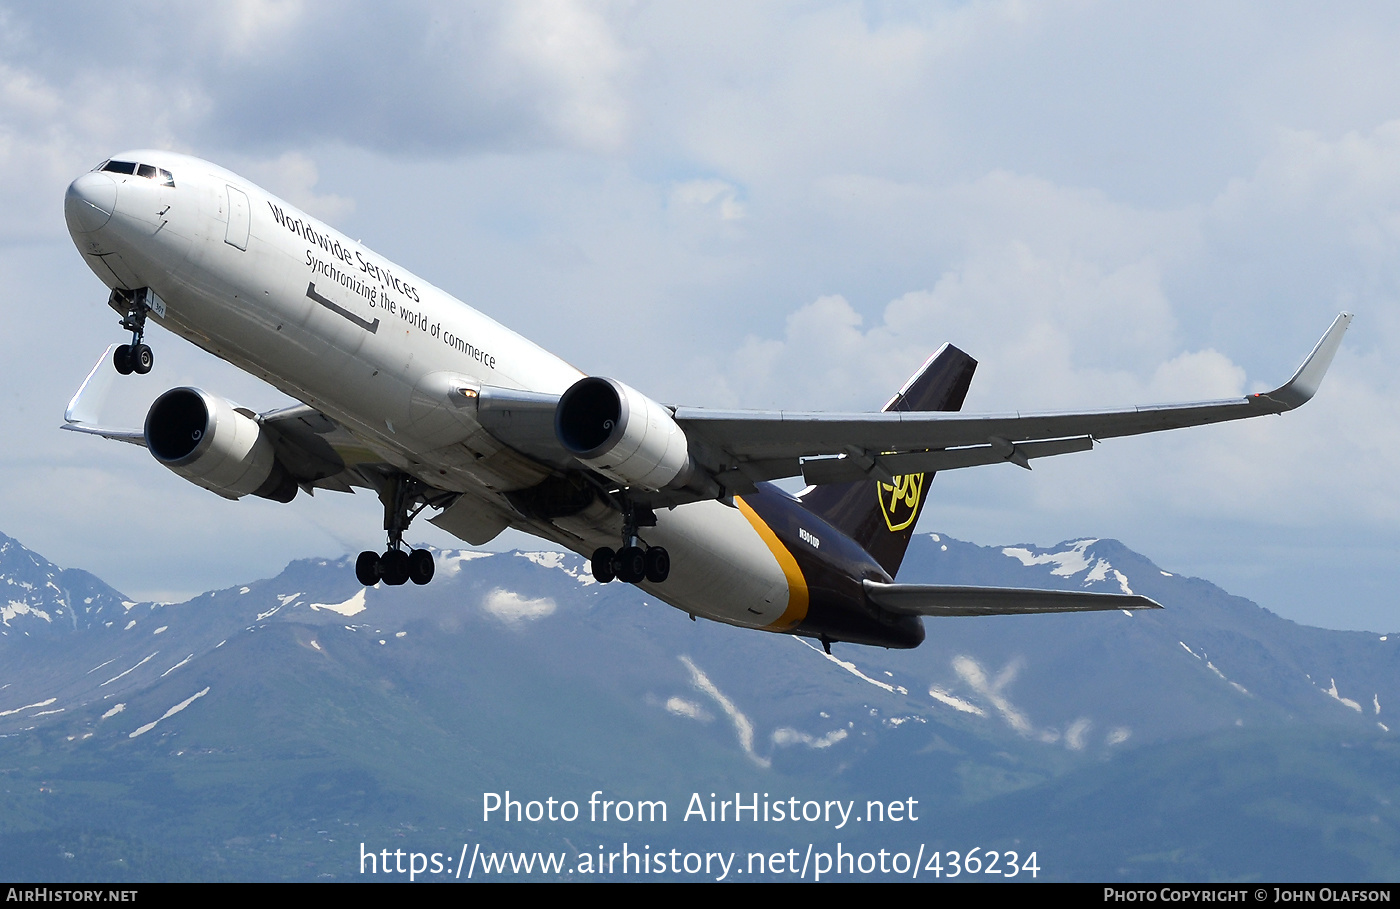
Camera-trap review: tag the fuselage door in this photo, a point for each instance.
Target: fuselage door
(237, 234)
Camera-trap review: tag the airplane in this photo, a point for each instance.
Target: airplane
(427, 402)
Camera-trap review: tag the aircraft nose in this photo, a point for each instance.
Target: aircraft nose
(90, 202)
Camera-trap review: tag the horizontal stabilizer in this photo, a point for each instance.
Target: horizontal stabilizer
(939, 600)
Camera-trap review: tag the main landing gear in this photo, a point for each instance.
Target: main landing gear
(403, 498)
(134, 357)
(632, 563)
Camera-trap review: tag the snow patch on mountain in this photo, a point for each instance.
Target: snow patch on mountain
(450, 561)
(1072, 561)
(743, 726)
(896, 721)
(27, 707)
(851, 668)
(1101, 572)
(1213, 668)
(682, 707)
(1076, 732)
(352, 606)
(1069, 562)
(991, 689)
(17, 608)
(789, 736)
(1347, 701)
(132, 669)
(177, 666)
(142, 730)
(560, 562)
(957, 703)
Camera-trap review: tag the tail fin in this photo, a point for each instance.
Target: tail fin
(881, 516)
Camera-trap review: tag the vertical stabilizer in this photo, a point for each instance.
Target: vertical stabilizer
(881, 516)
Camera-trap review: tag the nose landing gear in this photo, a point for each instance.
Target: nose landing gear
(135, 357)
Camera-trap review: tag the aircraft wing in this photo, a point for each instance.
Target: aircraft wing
(318, 451)
(939, 600)
(742, 447)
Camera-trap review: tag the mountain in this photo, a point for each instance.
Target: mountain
(273, 730)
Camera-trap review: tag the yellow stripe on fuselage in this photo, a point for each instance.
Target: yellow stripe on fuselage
(797, 585)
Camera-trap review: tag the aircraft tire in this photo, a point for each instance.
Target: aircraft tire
(631, 564)
(142, 359)
(121, 359)
(393, 567)
(367, 568)
(420, 566)
(602, 565)
(658, 564)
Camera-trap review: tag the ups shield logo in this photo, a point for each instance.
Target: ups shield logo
(899, 501)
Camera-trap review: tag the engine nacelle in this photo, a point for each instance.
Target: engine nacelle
(622, 434)
(209, 442)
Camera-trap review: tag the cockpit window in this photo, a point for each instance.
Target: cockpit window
(158, 174)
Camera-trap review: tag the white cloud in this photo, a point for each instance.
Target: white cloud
(514, 609)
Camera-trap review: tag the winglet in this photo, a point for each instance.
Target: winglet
(1300, 389)
(81, 414)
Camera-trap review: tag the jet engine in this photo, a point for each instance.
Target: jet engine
(213, 444)
(622, 434)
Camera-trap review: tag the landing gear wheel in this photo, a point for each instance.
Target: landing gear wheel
(658, 564)
(403, 497)
(631, 564)
(603, 565)
(141, 359)
(367, 568)
(420, 566)
(393, 567)
(121, 359)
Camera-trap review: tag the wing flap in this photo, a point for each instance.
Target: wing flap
(852, 468)
(940, 600)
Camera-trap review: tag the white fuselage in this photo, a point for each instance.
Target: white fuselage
(234, 267)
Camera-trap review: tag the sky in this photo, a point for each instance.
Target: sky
(772, 205)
